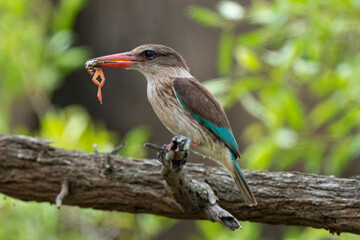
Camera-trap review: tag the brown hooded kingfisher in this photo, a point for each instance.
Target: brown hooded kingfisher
(182, 104)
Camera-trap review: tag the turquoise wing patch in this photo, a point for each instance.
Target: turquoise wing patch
(222, 133)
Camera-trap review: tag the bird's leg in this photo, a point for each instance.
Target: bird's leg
(98, 73)
(177, 152)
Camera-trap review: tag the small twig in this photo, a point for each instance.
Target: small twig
(95, 147)
(117, 149)
(109, 166)
(154, 146)
(63, 193)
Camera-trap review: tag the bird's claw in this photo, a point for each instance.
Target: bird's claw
(179, 143)
(178, 147)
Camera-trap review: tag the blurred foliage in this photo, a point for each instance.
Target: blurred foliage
(34, 221)
(296, 71)
(135, 140)
(36, 52)
(216, 231)
(294, 233)
(295, 68)
(71, 128)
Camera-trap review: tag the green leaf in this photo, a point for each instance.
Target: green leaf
(285, 159)
(292, 109)
(72, 59)
(342, 153)
(255, 107)
(242, 87)
(247, 59)
(324, 112)
(314, 152)
(60, 42)
(347, 122)
(71, 128)
(253, 133)
(205, 16)
(285, 138)
(66, 14)
(218, 87)
(297, 233)
(253, 39)
(225, 52)
(338, 158)
(263, 13)
(135, 140)
(259, 155)
(321, 87)
(48, 78)
(284, 57)
(305, 68)
(231, 10)
(209, 230)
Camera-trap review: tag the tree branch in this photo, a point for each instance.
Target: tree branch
(32, 170)
(194, 197)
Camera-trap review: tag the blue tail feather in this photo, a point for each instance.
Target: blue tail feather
(241, 182)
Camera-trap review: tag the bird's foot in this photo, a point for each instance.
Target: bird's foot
(168, 147)
(177, 152)
(180, 144)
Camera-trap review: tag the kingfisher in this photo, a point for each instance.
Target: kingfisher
(182, 104)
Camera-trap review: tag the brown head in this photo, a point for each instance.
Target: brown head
(150, 59)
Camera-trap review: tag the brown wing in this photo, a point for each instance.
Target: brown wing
(206, 109)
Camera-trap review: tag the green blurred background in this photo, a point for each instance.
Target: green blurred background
(288, 73)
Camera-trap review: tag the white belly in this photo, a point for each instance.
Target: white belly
(180, 122)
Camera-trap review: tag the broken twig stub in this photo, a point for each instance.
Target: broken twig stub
(192, 196)
(63, 193)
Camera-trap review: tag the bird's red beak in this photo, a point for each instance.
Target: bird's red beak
(119, 60)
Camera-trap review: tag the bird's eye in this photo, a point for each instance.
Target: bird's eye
(149, 54)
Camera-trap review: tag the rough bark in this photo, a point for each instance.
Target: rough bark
(32, 170)
(193, 197)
